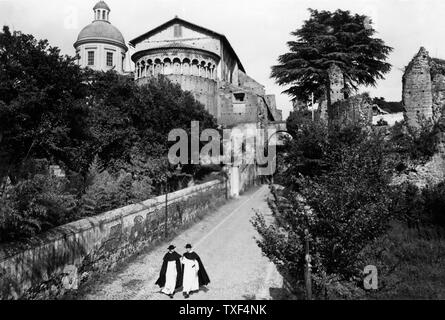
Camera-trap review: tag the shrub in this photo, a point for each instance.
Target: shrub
(415, 144)
(305, 154)
(105, 191)
(421, 208)
(435, 204)
(382, 123)
(410, 264)
(408, 205)
(35, 205)
(344, 208)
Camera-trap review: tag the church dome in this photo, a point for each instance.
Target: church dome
(101, 30)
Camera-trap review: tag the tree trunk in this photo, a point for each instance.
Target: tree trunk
(329, 107)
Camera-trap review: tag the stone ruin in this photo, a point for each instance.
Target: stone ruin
(424, 98)
(417, 96)
(424, 89)
(424, 92)
(356, 109)
(345, 110)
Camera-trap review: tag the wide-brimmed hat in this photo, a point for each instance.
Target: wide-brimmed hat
(171, 247)
(188, 246)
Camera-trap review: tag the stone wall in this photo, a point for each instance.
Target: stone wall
(50, 265)
(356, 109)
(438, 91)
(336, 94)
(431, 173)
(424, 96)
(237, 105)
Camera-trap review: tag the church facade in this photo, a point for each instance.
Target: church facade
(200, 60)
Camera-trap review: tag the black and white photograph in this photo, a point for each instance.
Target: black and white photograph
(212, 157)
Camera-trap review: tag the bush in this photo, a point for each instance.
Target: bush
(435, 204)
(54, 112)
(410, 264)
(344, 208)
(421, 208)
(106, 191)
(408, 205)
(35, 205)
(415, 144)
(305, 154)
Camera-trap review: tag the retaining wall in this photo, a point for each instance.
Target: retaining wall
(50, 265)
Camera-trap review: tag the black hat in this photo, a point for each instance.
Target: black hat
(171, 247)
(188, 246)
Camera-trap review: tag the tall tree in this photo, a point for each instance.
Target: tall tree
(326, 39)
(128, 119)
(39, 113)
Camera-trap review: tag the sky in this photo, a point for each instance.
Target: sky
(257, 29)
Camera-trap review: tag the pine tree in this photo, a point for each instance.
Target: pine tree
(326, 39)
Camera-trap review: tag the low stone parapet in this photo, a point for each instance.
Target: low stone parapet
(51, 264)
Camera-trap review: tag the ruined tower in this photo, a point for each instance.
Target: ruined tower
(337, 85)
(417, 89)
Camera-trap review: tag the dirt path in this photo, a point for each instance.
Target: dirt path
(225, 241)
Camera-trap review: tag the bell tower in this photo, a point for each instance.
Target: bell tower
(101, 12)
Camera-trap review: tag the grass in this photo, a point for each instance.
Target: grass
(411, 264)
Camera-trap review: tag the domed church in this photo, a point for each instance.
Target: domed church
(200, 60)
(100, 45)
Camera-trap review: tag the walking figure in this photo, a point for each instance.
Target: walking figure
(170, 277)
(194, 273)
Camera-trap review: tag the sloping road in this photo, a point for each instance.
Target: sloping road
(224, 239)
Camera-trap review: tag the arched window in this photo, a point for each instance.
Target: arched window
(150, 69)
(103, 15)
(186, 67)
(209, 71)
(176, 66)
(143, 74)
(213, 72)
(158, 67)
(195, 68)
(168, 66)
(202, 69)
